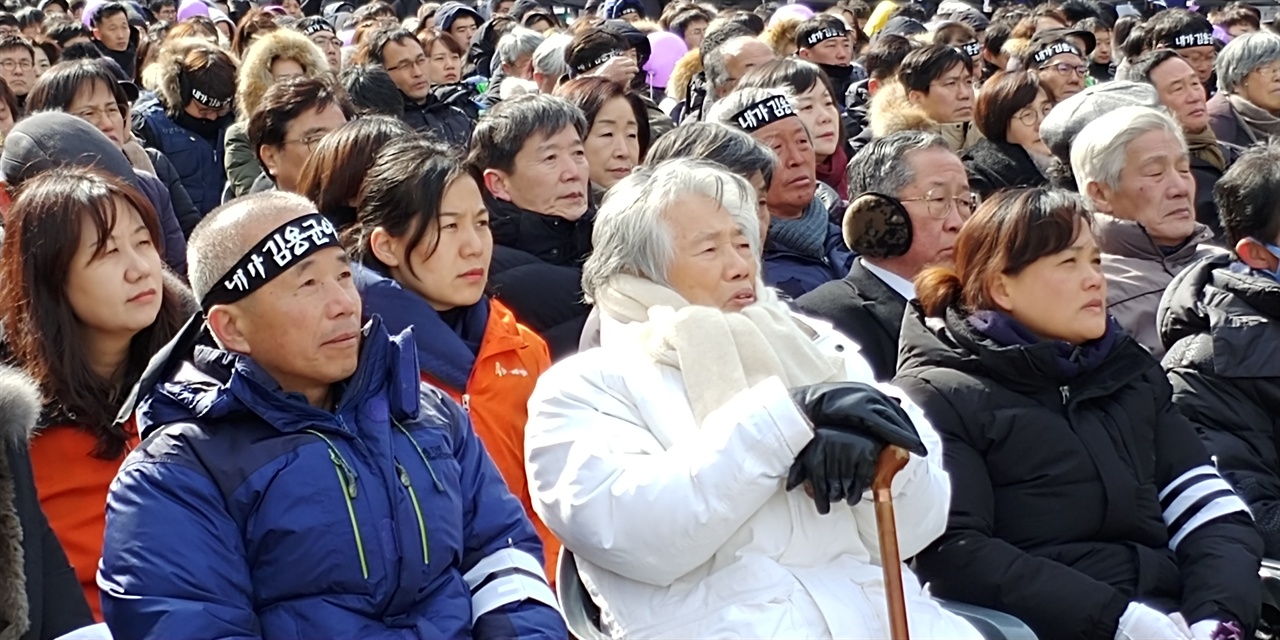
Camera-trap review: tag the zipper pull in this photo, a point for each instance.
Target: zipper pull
(466, 403)
(1066, 395)
(404, 475)
(347, 473)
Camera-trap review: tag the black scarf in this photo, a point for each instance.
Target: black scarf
(207, 129)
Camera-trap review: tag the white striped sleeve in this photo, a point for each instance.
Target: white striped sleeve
(1194, 499)
(506, 576)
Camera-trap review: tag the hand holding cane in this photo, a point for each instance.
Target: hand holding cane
(891, 461)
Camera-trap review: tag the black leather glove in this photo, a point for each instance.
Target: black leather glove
(860, 409)
(838, 466)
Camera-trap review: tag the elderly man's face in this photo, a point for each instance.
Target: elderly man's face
(1154, 190)
(794, 176)
(750, 54)
(713, 265)
(549, 176)
(936, 214)
(1180, 89)
(303, 327)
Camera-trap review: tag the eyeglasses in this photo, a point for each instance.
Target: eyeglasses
(1065, 69)
(1199, 58)
(10, 65)
(1029, 116)
(420, 61)
(309, 142)
(938, 203)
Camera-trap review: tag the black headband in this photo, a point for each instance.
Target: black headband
(316, 27)
(971, 49)
(1193, 39)
(823, 34)
(1041, 56)
(764, 113)
(581, 68)
(286, 245)
(207, 100)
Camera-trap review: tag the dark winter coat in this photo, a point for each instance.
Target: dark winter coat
(1226, 125)
(1206, 177)
(183, 208)
(246, 512)
(865, 309)
(1073, 495)
(1221, 323)
(40, 598)
(536, 271)
(197, 161)
(795, 273)
(993, 166)
(447, 123)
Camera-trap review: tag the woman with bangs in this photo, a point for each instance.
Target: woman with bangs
(85, 304)
(1082, 501)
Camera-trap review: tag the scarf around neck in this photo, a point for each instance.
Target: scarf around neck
(1204, 145)
(1260, 122)
(1072, 360)
(718, 354)
(806, 235)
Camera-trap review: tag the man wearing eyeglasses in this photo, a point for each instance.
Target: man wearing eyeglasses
(1191, 36)
(288, 124)
(17, 66)
(1057, 57)
(398, 51)
(916, 190)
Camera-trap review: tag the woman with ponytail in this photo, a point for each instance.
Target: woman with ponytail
(1082, 501)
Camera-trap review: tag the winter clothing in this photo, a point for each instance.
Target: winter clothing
(834, 173)
(183, 208)
(487, 362)
(993, 166)
(39, 597)
(890, 112)
(680, 525)
(450, 11)
(197, 160)
(127, 59)
(1069, 117)
(1221, 323)
(800, 255)
(418, 537)
(254, 78)
(1138, 272)
(447, 123)
(1229, 126)
(45, 140)
(536, 271)
(1077, 487)
(864, 309)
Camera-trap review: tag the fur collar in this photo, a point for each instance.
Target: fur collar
(19, 408)
(686, 68)
(255, 70)
(891, 112)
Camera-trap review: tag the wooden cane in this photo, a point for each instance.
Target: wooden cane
(891, 461)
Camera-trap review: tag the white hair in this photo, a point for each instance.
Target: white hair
(631, 236)
(517, 43)
(548, 58)
(1098, 152)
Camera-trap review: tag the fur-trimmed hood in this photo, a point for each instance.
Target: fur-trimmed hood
(689, 66)
(19, 405)
(162, 75)
(255, 70)
(891, 112)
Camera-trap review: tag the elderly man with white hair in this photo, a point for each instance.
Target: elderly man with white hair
(1134, 170)
(666, 459)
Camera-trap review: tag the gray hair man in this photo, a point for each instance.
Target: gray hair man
(1134, 170)
(549, 64)
(515, 52)
(726, 65)
(911, 196)
(529, 150)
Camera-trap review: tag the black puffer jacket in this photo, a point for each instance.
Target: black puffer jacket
(537, 271)
(993, 166)
(447, 123)
(1222, 327)
(1073, 496)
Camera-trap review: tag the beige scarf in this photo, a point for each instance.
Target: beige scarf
(1204, 145)
(719, 354)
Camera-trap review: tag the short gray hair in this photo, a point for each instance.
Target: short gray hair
(518, 43)
(1243, 55)
(504, 130)
(884, 165)
(724, 110)
(548, 58)
(715, 64)
(714, 142)
(631, 237)
(1098, 152)
(222, 236)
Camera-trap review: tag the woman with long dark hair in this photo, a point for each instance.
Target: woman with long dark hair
(423, 241)
(1082, 501)
(85, 302)
(337, 167)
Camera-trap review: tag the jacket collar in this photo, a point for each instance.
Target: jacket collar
(1129, 239)
(1237, 308)
(529, 231)
(884, 302)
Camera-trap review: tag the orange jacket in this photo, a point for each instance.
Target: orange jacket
(510, 360)
(72, 485)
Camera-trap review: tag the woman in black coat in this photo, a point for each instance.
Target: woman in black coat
(1009, 111)
(1082, 501)
(40, 598)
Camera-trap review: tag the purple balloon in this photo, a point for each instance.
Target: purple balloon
(667, 48)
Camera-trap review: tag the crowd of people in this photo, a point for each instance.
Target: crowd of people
(325, 319)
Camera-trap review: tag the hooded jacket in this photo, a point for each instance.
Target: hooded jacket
(536, 271)
(993, 166)
(39, 596)
(254, 78)
(45, 140)
(492, 383)
(1221, 323)
(1138, 273)
(1077, 486)
(890, 112)
(247, 512)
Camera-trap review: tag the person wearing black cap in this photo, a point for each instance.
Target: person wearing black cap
(399, 52)
(320, 31)
(627, 10)
(1191, 35)
(194, 82)
(1059, 62)
(824, 41)
(323, 453)
(458, 20)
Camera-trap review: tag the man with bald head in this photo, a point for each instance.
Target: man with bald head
(295, 478)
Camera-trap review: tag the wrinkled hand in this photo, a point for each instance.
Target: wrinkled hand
(837, 465)
(860, 409)
(620, 69)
